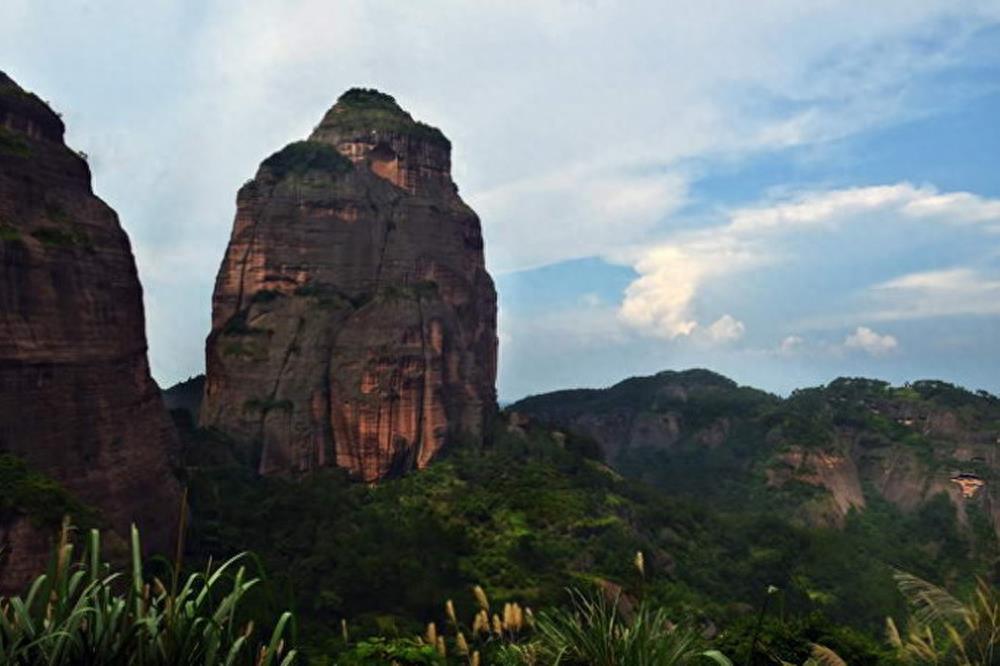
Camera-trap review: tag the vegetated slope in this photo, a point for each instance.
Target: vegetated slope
(530, 515)
(814, 456)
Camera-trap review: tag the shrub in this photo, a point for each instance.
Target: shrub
(302, 157)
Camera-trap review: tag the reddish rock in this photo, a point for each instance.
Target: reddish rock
(353, 320)
(76, 398)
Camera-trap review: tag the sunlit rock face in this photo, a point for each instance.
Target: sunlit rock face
(353, 320)
(77, 402)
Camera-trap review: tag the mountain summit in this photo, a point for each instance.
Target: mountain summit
(353, 320)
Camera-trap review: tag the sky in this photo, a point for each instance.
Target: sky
(781, 191)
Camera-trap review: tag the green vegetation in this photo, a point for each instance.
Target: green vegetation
(28, 492)
(9, 232)
(237, 326)
(265, 296)
(329, 296)
(87, 612)
(368, 109)
(945, 630)
(265, 405)
(62, 237)
(423, 290)
(303, 157)
(13, 144)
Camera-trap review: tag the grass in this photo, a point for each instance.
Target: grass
(303, 157)
(90, 612)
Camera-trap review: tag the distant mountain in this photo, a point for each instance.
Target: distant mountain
(186, 396)
(813, 456)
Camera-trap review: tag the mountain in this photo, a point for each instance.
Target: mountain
(81, 420)
(353, 320)
(816, 455)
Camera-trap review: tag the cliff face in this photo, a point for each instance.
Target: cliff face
(353, 320)
(815, 455)
(76, 397)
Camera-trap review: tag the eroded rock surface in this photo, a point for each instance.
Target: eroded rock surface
(76, 397)
(353, 320)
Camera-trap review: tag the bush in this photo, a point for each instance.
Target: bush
(302, 157)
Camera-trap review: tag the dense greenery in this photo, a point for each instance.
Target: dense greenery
(302, 157)
(535, 513)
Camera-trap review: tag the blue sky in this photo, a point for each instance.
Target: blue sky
(781, 191)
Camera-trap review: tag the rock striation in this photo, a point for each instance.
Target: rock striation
(353, 320)
(76, 398)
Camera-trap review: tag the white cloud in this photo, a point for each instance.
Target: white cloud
(663, 300)
(791, 344)
(565, 147)
(726, 329)
(952, 292)
(870, 342)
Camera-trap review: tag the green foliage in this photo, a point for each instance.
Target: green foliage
(423, 290)
(380, 651)
(45, 501)
(9, 232)
(265, 296)
(264, 405)
(86, 612)
(943, 629)
(13, 144)
(596, 631)
(63, 236)
(302, 157)
(369, 109)
(237, 326)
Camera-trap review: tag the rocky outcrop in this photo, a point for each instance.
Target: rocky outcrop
(76, 398)
(817, 455)
(353, 320)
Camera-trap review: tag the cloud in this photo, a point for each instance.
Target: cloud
(725, 329)
(566, 148)
(791, 344)
(810, 232)
(870, 342)
(941, 293)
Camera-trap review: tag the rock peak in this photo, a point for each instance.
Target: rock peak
(366, 113)
(353, 320)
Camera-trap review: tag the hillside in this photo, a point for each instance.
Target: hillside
(538, 511)
(814, 456)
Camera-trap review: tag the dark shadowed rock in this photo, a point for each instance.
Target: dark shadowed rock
(353, 320)
(76, 398)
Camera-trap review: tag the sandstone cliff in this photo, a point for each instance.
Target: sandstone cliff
(353, 320)
(76, 398)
